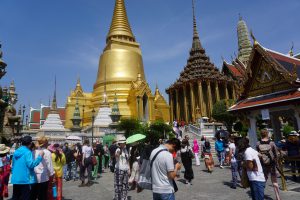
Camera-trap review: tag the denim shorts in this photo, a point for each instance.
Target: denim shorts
(168, 196)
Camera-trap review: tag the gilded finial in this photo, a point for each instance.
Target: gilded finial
(78, 81)
(240, 17)
(291, 52)
(196, 40)
(120, 24)
(253, 38)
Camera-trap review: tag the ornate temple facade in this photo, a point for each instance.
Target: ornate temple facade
(199, 86)
(120, 70)
(271, 92)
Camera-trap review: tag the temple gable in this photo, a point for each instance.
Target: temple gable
(265, 75)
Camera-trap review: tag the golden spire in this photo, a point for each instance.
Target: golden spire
(53, 108)
(120, 27)
(196, 40)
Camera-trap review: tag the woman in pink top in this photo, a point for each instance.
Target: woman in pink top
(196, 151)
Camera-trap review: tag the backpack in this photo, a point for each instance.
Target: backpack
(112, 150)
(266, 150)
(145, 178)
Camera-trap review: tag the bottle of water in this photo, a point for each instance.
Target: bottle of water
(54, 191)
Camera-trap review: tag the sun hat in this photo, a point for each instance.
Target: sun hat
(53, 147)
(42, 141)
(122, 140)
(4, 149)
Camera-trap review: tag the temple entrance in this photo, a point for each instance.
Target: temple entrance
(145, 108)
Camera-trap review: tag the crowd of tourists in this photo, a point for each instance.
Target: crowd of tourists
(37, 170)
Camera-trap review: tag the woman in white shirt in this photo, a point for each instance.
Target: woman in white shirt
(87, 165)
(121, 170)
(44, 171)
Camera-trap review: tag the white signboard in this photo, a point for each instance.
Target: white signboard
(265, 114)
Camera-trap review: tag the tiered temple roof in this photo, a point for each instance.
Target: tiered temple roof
(198, 64)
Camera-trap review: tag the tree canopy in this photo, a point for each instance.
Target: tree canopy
(221, 114)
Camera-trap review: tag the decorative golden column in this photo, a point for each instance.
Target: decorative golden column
(200, 95)
(193, 103)
(209, 99)
(177, 105)
(217, 91)
(185, 105)
(233, 92)
(226, 91)
(171, 106)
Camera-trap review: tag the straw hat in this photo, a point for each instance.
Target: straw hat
(4, 149)
(42, 141)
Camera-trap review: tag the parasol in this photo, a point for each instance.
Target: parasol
(135, 138)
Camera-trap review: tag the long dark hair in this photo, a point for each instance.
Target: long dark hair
(133, 154)
(58, 155)
(243, 144)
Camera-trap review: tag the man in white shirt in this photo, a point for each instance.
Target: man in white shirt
(254, 170)
(163, 171)
(44, 171)
(233, 162)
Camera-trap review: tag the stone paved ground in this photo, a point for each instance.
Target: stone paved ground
(206, 186)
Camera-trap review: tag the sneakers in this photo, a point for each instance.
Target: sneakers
(221, 166)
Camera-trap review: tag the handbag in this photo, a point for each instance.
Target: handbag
(191, 154)
(245, 179)
(94, 160)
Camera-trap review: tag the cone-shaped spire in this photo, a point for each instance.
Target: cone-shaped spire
(104, 93)
(196, 40)
(244, 42)
(120, 27)
(54, 102)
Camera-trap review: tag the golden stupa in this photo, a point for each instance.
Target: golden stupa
(120, 71)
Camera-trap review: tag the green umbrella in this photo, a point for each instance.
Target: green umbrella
(135, 138)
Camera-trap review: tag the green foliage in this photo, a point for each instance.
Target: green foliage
(287, 129)
(158, 130)
(241, 129)
(153, 132)
(221, 114)
(129, 126)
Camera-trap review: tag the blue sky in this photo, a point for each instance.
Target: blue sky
(65, 38)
